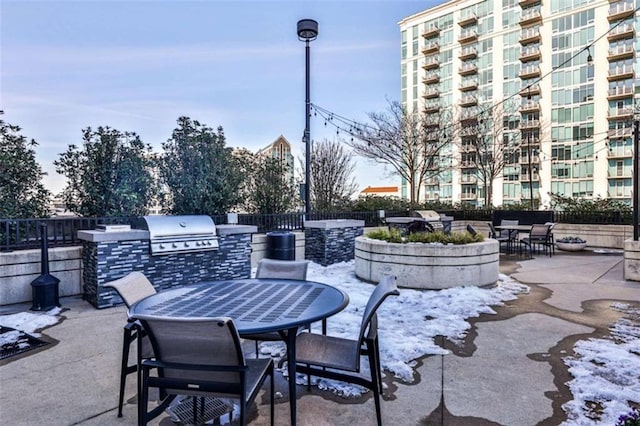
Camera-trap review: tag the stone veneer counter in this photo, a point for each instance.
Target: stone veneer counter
(107, 256)
(428, 266)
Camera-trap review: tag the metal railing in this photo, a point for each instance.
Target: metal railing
(21, 234)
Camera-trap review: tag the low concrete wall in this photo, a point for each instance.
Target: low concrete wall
(19, 268)
(428, 266)
(632, 260)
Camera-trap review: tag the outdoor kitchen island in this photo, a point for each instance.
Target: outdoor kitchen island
(209, 253)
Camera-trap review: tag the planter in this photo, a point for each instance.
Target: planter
(428, 266)
(571, 246)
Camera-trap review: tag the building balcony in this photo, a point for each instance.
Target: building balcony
(619, 11)
(529, 54)
(468, 180)
(431, 47)
(431, 31)
(468, 69)
(525, 160)
(468, 85)
(530, 90)
(620, 52)
(432, 123)
(620, 113)
(619, 195)
(620, 92)
(529, 72)
(468, 117)
(470, 19)
(431, 78)
(467, 165)
(625, 173)
(467, 36)
(431, 93)
(620, 133)
(529, 124)
(431, 107)
(528, 3)
(530, 16)
(529, 106)
(468, 196)
(535, 177)
(431, 63)
(530, 141)
(620, 153)
(469, 52)
(468, 100)
(620, 73)
(530, 35)
(621, 32)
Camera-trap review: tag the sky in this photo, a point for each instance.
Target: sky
(602, 369)
(139, 65)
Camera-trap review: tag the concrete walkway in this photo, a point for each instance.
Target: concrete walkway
(509, 370)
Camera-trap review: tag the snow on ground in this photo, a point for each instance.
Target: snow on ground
(606, 373)
(408, 323)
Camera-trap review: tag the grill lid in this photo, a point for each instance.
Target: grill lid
(173, 234)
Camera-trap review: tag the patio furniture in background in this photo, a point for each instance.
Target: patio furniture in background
(284, 269)
(551, 240)
(511, 228)
(338, 358)
(132, 288)
(501, 236)
(200, 357)
(538, 237)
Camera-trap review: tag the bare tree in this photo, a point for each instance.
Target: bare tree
(488, 141)
(414, 145)
(332, 181)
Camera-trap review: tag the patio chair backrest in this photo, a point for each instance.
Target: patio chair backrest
(539, 231)
(286, 269)
(132, 287)
(385, 288)
(507, 233)
(212, 343)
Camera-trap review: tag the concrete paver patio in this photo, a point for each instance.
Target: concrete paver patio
(509, 369)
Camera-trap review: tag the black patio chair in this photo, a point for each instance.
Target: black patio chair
(338, 358)
(200, 357)
(131, 288)
(499, 236)
(284, 269)
(538, 237)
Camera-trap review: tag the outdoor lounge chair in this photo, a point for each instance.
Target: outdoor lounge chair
(338, 358)
(283, 269)
(200, 357)
(131, 288)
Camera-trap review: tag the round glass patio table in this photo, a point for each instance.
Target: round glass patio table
(256, 305)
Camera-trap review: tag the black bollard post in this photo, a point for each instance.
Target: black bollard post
(45, 287)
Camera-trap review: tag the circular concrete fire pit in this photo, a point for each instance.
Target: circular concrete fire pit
(428, 266)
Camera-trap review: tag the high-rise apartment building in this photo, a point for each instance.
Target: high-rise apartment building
(552, 85)
(280, 149)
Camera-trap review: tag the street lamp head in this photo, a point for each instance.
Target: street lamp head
(307, 30)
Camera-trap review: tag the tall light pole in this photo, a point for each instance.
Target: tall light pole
(307, 31)
(636, 173)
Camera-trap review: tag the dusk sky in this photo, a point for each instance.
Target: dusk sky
(139, 65)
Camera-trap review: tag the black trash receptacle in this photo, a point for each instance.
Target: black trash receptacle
(281, 245)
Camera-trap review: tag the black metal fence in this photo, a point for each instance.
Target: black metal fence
(20, 234)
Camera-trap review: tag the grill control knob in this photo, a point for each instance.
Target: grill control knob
(174, 245)
(186, 244)
(161, 246)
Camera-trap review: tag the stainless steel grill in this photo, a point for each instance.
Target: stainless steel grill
(180, 234)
